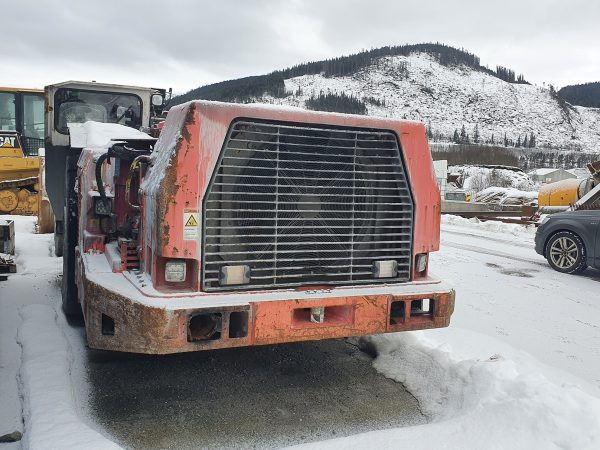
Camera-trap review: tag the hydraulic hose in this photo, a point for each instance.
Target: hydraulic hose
(124, 152)
(132, 169)
(99, 181)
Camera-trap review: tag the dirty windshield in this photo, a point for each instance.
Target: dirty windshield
(78, 106)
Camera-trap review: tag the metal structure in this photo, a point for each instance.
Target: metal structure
(21, 136)
(248, 225)
(576, 193)
(22, 110)
(72, 103)
(302, 204)
(7, 248)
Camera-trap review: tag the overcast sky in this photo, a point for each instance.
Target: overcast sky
(184, 44)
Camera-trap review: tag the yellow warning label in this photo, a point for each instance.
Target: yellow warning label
(190, 225)
(191, 222)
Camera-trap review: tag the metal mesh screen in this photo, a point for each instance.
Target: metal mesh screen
(306, 205)
(31, 145)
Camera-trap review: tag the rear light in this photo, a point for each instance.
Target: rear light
(234, 275)
(385, 269)
(175, 271)
(421, 262)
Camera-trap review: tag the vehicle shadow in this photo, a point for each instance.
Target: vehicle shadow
(592, 274)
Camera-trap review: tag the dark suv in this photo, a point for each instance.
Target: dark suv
(570, 241)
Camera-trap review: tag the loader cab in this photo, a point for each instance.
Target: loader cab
(22, 110)
(72, 103)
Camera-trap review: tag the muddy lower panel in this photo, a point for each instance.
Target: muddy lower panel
(115, 322)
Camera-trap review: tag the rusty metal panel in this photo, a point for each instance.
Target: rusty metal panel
(193, 136)
(277, 321)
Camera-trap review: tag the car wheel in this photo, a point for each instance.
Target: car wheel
(565, 252)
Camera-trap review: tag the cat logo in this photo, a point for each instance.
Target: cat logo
(8, 141)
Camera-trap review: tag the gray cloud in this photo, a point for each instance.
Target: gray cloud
(188, 43)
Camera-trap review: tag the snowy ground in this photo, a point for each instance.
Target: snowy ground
(518, 368)
(35, 358)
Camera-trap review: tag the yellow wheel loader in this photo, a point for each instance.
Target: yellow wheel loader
(21, 137)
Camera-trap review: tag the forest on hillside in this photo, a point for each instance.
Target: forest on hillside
(249, 89)
(587, 94)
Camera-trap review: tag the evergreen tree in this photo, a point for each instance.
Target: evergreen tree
(519, 141)
(492, 140)
(464, 137)
(456, 137)
(532, 140)
(525, 141)
(476, 134)
(429, 132)
(505, 140)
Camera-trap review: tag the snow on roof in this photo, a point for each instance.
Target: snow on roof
(97, 134)
(544, 171)
(580, 172)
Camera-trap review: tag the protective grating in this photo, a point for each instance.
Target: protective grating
(31, 146)
(305, 205)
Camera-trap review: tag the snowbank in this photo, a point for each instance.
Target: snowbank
(476, 403)
(489, 226)
(51, 420)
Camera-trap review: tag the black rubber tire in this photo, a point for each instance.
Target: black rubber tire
(70, 301)
(566, 240)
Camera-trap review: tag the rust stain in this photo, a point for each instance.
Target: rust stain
(143, 328)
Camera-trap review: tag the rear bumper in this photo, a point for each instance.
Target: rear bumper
(142, 324)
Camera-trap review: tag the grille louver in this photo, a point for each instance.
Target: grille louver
(305, 205)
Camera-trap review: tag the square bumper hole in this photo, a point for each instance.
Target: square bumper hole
(421, 308)
(108, 325)
(238, 324)
(332, 315)
(397, 312)
(205, 327)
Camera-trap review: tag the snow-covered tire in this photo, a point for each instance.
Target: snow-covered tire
(565, 252)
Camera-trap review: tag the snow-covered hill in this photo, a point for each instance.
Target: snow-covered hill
(446, 98)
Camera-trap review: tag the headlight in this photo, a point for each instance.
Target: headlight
(421, 262)
(175, 271)
(385, 269)
(232, 275)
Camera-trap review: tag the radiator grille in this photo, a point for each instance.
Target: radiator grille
(305, 205)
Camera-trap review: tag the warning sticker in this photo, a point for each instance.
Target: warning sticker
(190, 225)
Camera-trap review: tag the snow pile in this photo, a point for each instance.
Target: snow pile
(449, 97)
(507, 196)
(97, 134)
(476, 403)
(477, 178)
(489, 227)
(51, 420)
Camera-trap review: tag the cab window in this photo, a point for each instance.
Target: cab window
(33, 116)
(72, 106)
(8, 117)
